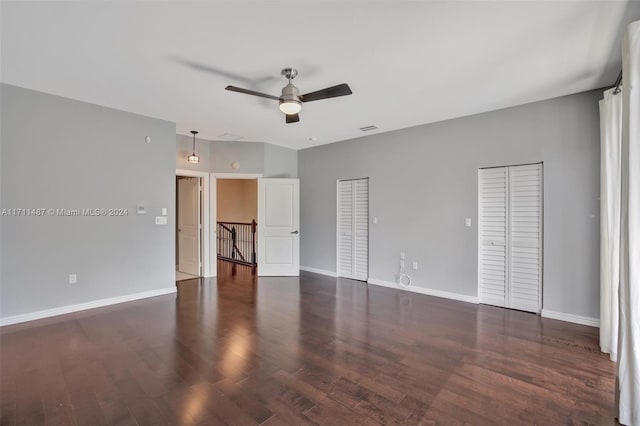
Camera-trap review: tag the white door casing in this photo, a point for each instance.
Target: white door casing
(353, 229)
(208, 221)
(189, 226)
(213, 210)
(278, 227)
(510, 236)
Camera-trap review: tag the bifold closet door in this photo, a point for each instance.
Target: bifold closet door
(510, 237)
(492, 259)
(525, 237)
(353, 229)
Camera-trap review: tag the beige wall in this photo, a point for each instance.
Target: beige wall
(237, 200)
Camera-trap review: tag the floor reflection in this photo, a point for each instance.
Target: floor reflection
(243, 349)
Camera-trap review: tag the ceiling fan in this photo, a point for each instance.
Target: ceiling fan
(291, 100)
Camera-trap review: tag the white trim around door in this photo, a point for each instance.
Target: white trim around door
(213, 209)
(208, 267)
(237, 175)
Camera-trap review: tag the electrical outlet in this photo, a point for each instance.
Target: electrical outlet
(402, 255)
(415, 266)
(73, 278)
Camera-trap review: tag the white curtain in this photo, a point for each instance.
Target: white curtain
(629, 325)
(610, 181)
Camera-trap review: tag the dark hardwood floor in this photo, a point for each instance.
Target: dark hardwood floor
(308, 350)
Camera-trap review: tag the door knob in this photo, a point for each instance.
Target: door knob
(294, 232)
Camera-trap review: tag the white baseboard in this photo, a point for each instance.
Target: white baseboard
(83, 306)
(593, 322)
(319, 271)
(423, 290)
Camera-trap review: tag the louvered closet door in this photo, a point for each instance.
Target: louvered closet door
(525, 248)
(353, 229)
(345, 228)
(510, 237)
(492, 259)
(361, 229)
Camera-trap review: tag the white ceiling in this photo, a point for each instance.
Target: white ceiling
(407, 63)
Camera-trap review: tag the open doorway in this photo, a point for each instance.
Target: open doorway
(236, 225)
(189, 218)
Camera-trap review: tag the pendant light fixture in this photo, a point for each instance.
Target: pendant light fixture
(193, 158)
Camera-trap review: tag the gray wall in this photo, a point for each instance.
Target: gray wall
(250, 156)
(280, 162)
(61, 153)
(423, 183)
(253, 157)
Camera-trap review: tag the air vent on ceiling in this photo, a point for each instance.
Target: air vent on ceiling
(368, 128)
(230, 137)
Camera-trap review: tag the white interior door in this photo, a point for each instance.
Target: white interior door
(492, 235)
(353, 229)
(189, 225)
(510, 237)
(278, 227)
(345, 229)
(525, 237)
(361, 229)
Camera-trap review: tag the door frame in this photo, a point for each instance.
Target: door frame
(206, 242)
(540, 232)
(368, 178)
(213, 208)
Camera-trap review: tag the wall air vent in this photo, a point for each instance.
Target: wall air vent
(368, 128)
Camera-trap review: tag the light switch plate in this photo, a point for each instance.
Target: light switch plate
(161, 220)
(467, 222)
(164, 211)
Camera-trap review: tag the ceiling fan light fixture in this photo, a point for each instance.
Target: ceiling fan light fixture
(193, 158)
(290, 101)
(290, 107)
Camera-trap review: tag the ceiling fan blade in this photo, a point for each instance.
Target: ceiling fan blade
(330, 92)
(292, 118)
(250, 92)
